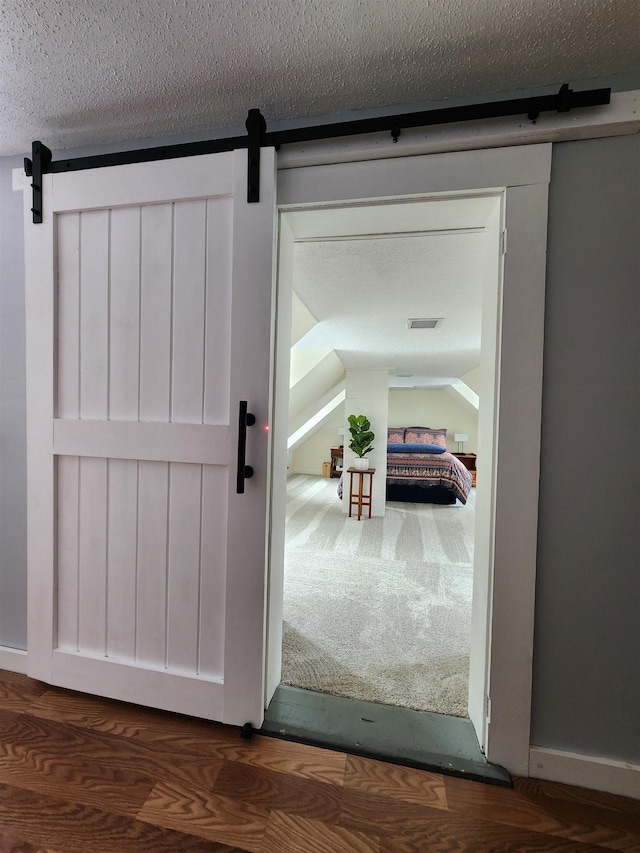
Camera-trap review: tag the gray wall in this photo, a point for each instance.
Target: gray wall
(586, 686)
(586, 696)
(13, 485)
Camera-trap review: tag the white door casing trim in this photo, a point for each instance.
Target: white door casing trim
(524, 173)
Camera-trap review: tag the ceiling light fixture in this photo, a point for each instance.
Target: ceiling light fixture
(422, 322)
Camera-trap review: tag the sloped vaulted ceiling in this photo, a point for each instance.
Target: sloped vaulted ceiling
(364, 271)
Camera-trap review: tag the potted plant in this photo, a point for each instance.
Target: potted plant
(361, 439)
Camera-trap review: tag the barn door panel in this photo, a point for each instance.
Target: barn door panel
(148, 302)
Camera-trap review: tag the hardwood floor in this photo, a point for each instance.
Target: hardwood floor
(80, 774)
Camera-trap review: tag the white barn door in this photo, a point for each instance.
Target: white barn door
(148, 321)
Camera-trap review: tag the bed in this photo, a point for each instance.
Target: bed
(420, 470)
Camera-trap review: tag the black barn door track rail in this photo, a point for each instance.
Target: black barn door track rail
(566, 99)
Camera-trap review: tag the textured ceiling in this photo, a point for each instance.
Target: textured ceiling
(78, 72)
(431, 261)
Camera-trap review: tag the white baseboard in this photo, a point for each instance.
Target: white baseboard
(585, 771)
(13, 660)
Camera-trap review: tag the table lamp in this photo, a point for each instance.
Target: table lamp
(460, 437)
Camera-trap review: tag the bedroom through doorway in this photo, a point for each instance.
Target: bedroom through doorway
(381, 609)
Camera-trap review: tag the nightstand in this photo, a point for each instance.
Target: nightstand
(469, 462)
(336, 461)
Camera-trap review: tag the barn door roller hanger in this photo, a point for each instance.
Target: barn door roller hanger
(566, 99)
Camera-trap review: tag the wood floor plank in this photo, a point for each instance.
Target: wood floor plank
(563, 818)
(118, 791)
(213, 817)
(48, 824)
(276, 790)
(410, 828)
(18, 692)
(361, 810)
(13, 845)
(80, 774)
(396, 782)
(292, 833)
(51, 738)
(448, 834)
(295, 759)
(175, 731)
(183, 735)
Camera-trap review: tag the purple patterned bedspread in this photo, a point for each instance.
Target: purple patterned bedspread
(429, 469)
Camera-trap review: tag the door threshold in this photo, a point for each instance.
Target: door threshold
(418, 739)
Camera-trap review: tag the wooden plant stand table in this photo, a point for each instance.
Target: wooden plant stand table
(360, 498)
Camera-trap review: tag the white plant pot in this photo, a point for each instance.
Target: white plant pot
(361, 463)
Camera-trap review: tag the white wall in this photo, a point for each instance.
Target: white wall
(303, 361)
(368, 394)
(435, 409)
(311, 387)
(302, 320)
(308, 458)
(406, 408)
(474, 380)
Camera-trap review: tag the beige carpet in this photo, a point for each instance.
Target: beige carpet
(380, 609)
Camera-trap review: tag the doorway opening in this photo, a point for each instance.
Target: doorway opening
(380, 610)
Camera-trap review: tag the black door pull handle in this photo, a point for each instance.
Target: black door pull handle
(245, 472)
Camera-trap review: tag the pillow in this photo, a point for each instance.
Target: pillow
(395, 434)
(424, 435)
(414, 448)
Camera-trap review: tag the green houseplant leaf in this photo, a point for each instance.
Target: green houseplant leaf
(361, 435)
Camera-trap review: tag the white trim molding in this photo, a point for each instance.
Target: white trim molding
(585, 771)
(504, 602)
(13, 660)
(619, 118)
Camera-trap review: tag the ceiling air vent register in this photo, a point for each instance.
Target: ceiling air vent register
(422, 323)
